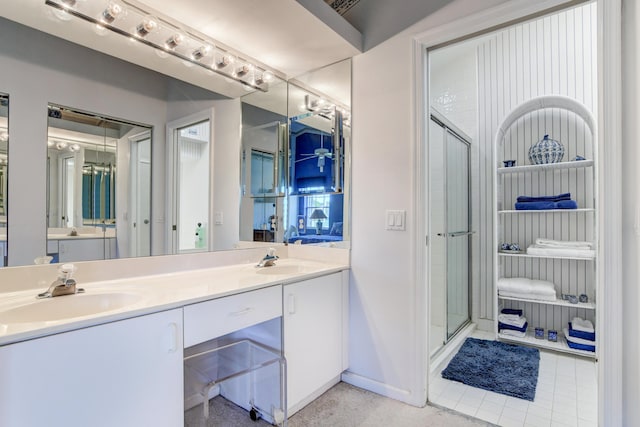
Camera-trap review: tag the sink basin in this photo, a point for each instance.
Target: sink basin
(67, 307)
(283, 269)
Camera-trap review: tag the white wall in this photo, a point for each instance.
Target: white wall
(383, 350)
(631, 209)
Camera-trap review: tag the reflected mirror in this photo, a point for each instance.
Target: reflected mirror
(264, 164)
(319, 138)
(99, 187)
(4, 165)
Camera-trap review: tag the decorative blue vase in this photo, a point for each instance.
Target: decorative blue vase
(545, 151)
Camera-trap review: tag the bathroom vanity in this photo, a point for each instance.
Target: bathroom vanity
(124, 365)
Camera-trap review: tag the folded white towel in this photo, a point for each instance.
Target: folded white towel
(513, 317)
(564, 244)
(518, 322)
(577, 340)
(579, 324)
(559, 251)
(526, 286)
(538, 297)
(513, 333)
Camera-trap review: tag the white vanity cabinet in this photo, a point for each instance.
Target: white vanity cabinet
(125, 373)
(315, 322)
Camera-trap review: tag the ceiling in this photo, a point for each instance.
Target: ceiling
(281, 34)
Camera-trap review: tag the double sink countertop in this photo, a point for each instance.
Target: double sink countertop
(24, 317)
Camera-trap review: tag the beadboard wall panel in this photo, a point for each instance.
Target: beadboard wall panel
(551, 55)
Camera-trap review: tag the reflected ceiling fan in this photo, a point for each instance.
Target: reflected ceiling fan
(321, 153)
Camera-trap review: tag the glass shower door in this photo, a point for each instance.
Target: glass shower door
(458, 234)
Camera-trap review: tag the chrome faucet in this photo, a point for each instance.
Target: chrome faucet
(269, 259)
(63, 285)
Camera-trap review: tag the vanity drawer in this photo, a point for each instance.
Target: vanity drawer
(211, 319)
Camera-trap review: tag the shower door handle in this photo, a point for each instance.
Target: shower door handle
(457, 234)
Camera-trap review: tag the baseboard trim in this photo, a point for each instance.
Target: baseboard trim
(377, 387)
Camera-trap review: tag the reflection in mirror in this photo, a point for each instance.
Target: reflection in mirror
(4, 165)
(263, 166)
(99, 187)
(319, 137)
(193, 166)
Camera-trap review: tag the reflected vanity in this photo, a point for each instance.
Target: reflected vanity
(99, 185)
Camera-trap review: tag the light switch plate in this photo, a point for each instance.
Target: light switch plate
(218, 218)
(395, 220)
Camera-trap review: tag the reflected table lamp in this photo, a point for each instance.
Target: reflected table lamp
(319, 215)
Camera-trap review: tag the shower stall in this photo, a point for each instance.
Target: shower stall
(450, 231)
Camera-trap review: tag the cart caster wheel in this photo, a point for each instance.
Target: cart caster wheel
(254, 414)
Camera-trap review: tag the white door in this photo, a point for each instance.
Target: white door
(312, 337)
(141, 196)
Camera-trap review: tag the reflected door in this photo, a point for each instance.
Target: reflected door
(193, 170)
(141, 196)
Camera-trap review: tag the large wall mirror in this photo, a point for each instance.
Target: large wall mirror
(99, 187)
(319, 144)
(103, 121)
(4, 165)
(264, 161)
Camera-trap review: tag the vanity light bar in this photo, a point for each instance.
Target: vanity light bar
(166, 37)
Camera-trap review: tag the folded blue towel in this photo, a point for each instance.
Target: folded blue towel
(515, 311)
(563, 196)
(502, 326)
(548, 205)
(591, 336)
(581, 346)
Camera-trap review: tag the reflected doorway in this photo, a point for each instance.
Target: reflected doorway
(192, 184)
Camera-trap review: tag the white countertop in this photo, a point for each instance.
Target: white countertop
(159, 292)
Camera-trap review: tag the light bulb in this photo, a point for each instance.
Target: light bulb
(112, 11)
(50, 144)
(267, 76)
(61, 145)
(174, 41)
(243, 70)
(201, 52)
(148, 25)
(75, 147)
(225, 60)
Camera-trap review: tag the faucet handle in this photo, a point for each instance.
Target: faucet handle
(271, 252)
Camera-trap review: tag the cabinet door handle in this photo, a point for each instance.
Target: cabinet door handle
(241, 312)
(173, 337)
(292, 304)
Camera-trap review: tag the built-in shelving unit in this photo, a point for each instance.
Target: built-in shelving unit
(570, 122)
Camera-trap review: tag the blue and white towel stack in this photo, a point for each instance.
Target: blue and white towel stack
(581, 334)
(511, 322)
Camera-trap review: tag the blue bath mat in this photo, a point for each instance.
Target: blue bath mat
(496, 366)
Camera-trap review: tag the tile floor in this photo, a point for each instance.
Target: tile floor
(566, 395)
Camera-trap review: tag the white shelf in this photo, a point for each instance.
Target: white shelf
(545, 167)
(561, 302)
(546, 211)
(560, 345)
(526, 255)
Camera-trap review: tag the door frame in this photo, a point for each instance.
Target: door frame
(171, 207)
(609, 62)
(134, 186)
